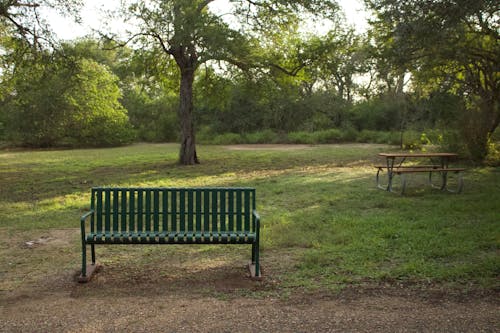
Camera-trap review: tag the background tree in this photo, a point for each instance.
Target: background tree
(452, 44)
(192, 35)
(55, 99)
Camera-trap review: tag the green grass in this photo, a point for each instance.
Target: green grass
(321, 213)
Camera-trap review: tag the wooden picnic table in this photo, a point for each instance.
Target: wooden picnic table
(439, 163)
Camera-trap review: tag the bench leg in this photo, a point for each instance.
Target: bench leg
(255, 259)
(253, 253)
(84, 261)
(87, 271)
(92, 247)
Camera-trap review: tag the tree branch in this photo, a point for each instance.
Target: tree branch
(203, 5)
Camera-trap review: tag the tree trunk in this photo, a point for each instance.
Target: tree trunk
(187, 154)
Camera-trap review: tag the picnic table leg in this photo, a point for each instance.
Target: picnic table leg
(377, 179)
(460, 183)
(403, 183)
(390, 174)
(444, 180)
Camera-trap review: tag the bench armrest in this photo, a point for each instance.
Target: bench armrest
(83, 219)
(256, 221)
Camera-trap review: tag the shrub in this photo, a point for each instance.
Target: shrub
(265, 136)
(301, 137)
(227, 139)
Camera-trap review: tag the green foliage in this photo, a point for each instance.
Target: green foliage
(449, 46)
(390, 138)
(333, 135)
(264, 136)
(382, 113)
(96, 117)
(154, 117)
(59, 101)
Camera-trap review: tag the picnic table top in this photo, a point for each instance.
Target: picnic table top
(392, 155)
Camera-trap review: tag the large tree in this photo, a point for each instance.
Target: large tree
(192, 34)
(454, 45)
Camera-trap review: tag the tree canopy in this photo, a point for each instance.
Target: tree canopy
(192, 35)
(425, 72)
(453, 46)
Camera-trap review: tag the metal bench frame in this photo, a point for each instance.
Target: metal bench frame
(170, 216)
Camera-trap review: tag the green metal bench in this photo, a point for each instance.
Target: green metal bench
(170, 216)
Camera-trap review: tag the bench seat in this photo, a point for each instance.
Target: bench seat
(416, 166)
(431, 169)
(171, 237)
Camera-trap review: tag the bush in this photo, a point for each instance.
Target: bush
(265, 136)
(301, 137)
(227, 139)
(67, 103)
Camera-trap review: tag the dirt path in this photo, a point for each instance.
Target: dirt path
(224, 300)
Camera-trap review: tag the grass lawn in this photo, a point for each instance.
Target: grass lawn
(325, 224)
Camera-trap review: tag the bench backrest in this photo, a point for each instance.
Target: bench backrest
(172, 209)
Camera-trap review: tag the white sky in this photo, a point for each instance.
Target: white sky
(92, 18)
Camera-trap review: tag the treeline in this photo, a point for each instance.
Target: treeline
(93, 93)
(400, 83)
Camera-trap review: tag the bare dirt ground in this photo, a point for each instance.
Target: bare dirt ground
(218, 296)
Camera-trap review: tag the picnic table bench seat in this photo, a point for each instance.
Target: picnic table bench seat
(407, 169)
(170, 216)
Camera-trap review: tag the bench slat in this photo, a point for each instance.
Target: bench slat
(206, 210)
(230, 210)
(140, 211)
(131, 210)
(247, 210)
(173, 210)
(238, 210)
(222, 215)
(164, 220)
(99, 212)
(214, 212)
(123, 210)
(190, 211)
(115, 209)
(147, 211)
(107, 217)
(182, 210)
(156, 210)
(198, 210)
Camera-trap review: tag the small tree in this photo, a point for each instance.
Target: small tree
(54, 100)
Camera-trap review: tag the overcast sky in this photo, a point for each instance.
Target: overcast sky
(91, 15)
